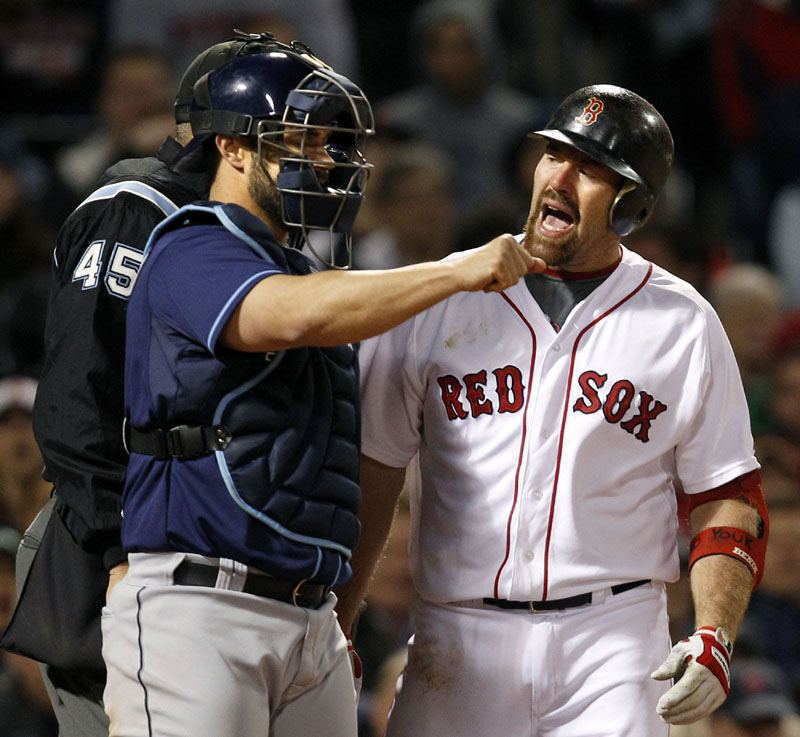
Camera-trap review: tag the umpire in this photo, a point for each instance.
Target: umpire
(72, 548)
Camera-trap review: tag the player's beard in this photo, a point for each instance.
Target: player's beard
(263, 190)
(557, 251)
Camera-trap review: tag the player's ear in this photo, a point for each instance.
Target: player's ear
(232, 149)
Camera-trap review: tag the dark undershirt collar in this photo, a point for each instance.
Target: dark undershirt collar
(557, 292)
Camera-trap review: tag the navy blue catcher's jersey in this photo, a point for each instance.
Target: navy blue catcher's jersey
(284, 496)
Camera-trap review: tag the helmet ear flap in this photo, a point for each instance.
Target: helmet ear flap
(630, 209)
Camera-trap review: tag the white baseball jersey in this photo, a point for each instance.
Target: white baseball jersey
(545, 462)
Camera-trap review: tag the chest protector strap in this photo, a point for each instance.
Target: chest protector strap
(183, 442)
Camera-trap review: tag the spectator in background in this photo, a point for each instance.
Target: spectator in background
(135, 116)
(23, 492)
(771, 627)
(50, 53)
(25, 242)
(412, 200)
(9, 542)
(784, 398)
(757, 79)
(679, 250)
(24, 706)
(780, 466)
(180, 27)
(760, 703)
(749, 302)
(784, 240)
(26, 239)
(461, 104)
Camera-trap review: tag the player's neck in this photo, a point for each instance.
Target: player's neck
(234, 193)
(591, 273)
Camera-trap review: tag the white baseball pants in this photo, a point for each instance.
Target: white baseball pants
(583, 672)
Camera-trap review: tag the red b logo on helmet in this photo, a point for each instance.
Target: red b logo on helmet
(589, 115)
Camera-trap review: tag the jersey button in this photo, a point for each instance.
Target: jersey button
(537, 495)
(556, 347)
(530, 555)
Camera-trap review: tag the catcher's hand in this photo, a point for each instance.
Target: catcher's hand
(700, 665)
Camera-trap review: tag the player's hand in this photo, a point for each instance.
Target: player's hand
(700, 665)
(115, 575)
(501, 263)
(355, 664)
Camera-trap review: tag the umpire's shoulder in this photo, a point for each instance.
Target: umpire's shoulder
(148, 182)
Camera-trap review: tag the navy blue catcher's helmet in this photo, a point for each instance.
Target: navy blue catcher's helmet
(626, 133)
(284, 87)
(210, 59)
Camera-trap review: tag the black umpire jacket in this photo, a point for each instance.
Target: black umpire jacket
(79, 411)
(78, 414)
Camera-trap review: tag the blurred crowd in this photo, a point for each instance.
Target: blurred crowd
(455, 85)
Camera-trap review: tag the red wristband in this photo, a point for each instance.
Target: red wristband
(731, 541)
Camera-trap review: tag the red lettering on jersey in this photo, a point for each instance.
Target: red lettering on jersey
(647, 414)
(590, 382)
(510, 389)
(618, 401)
(591, 112)
(451, 388)
(475, 394)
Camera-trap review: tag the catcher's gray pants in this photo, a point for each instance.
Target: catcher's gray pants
(194, 661)
(77, 696)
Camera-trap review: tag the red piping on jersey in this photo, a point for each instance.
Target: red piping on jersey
(564, 422)
(560, 437)
(521, 444)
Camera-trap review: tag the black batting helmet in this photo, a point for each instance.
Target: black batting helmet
(625, 133)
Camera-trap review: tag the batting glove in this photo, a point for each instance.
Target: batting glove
(355, 664)
(700, 665)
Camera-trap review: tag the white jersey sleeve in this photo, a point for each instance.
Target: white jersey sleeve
(712, 452)
(393, 395)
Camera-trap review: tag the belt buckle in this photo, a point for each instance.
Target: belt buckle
(296, 591)
(532, 609)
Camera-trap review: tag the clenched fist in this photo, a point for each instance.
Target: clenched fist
(501, 263)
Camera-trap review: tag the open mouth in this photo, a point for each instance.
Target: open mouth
(555, 219)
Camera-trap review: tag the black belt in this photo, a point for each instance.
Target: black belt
(302, 594)
(183, 441)
(567, 603)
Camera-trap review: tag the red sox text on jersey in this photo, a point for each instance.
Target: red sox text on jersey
(467, 397)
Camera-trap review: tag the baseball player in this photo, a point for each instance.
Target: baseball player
(242, 412)
(545, 428)
(73, 547)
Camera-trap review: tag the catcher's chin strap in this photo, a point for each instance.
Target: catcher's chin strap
(732, 541)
